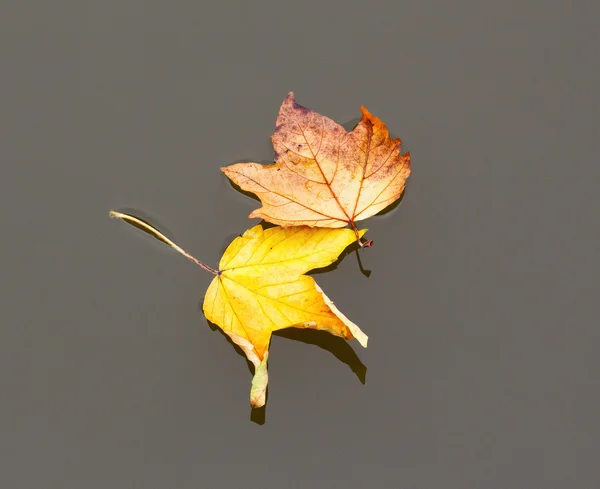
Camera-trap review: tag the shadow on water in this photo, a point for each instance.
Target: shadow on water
(353, 248)
(393, 205)
(351, 124)
(335, 345)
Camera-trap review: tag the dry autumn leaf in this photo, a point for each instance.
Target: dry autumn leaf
(260, 287)
(324, 176)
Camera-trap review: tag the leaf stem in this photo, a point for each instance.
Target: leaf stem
(359, 240)
(134, 221)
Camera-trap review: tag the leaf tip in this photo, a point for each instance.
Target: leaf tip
(359, 336)
(378, 124)
(367, 116)
(258, 390)
(255, 214)
(357, 333)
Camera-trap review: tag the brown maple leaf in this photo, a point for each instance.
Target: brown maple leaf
(324, 176)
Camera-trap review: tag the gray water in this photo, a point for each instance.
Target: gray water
(482, 303)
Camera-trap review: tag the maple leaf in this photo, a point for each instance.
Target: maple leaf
(324, 176)
(261, 287)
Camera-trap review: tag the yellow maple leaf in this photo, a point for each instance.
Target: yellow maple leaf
(260, 287)
(324, 176)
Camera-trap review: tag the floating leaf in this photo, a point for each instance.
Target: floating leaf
(324, 176)
(261, 287)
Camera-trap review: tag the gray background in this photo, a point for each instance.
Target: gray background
(482, 308)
